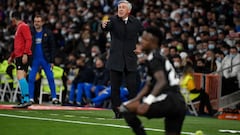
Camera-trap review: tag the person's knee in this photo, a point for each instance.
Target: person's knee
(131, 119)
(20, 74)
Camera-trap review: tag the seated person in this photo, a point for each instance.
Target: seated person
(101, 80)
(230, 72)
(187, 82)
(106, 93)
(84, 77)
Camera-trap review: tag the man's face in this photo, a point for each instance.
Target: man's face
(99, 63)
(123, 10)
(200, 64)
(233, 51)
(14, 21)
(38, 23)
(146, 41)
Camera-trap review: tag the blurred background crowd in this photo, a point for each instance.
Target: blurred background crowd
(205, 33)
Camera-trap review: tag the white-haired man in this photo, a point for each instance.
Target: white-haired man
(124, 30)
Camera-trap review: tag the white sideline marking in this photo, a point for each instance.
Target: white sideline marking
(54, 114)
(82, 122)
(69, 116)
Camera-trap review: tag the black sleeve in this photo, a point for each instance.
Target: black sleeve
(157, 64)
(106, 77)
(9, 70)
(52, 44)
(141, 28)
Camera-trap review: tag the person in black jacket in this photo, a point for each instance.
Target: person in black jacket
(100, 81)
(124, 30)
(83, 79)
(43, 49)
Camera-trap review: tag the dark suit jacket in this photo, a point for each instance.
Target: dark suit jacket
(124, 38)
(48, 44)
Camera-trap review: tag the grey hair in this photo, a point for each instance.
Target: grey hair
(127, 2)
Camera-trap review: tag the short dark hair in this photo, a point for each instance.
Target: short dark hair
(173, 47)
(177, 56)
(39, 16)
(156, 32)
(233, 47)
(201, 60)
(16, 15)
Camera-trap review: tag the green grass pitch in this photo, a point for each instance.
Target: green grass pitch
(36, 122)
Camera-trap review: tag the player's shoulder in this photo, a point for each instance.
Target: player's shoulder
(156, 60)
(24, 27)
(158, 56)
(22, 23)
(132, 18)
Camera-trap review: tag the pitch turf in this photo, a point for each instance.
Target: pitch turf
(99, 122)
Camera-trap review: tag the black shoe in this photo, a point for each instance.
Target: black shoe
(68, 104)
(55, 102)
(78, 104)
(23, 105)
(118, 115)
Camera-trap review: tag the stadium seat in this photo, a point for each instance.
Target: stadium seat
(16, 90)
(44, 88)
(5, 88)
(189, 103)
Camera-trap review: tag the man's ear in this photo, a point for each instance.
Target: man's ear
(129, 12)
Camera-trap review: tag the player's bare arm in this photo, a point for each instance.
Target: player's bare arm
(133, 104)
(145, 90)
(161, 82)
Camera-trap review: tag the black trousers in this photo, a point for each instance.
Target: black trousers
(172, 108)
(116, 78)
(204, 101)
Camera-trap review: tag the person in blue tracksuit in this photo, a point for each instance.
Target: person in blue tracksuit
(83, 79)
(43, 49)
(101, 80)
(106, 93)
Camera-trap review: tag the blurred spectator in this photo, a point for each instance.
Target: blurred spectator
(210, 63)
(231, 68)
(165, 50)
(177, 63)
(172, 52)
(191, 45)
(95, 54)
(219, 57)
(201, 67)
(100, 82)
(229, 61)
(84, 77)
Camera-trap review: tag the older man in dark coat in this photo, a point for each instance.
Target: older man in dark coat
(124, 30)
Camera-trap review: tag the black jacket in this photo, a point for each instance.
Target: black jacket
(101, 76)
(48, 44)
(124, 38)
(85, 75)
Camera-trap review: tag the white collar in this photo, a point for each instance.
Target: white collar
(126, 19)
(150, 56)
